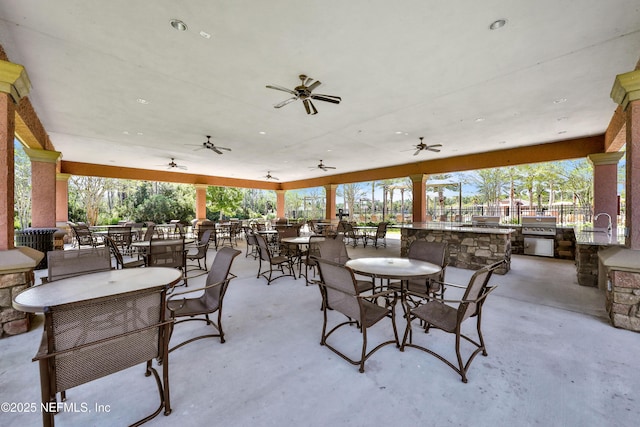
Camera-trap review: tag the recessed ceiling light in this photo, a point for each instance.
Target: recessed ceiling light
(126, 132)
(498, 24)
(479, 119)
(262, 132)
(140, 133)
(560, 100)
(205, 35)
(178, 25)
(142, 101)
(562, 118)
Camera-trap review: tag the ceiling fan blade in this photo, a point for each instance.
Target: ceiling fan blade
(215, 149)
(417, 151)
(313, 108)
(224, 148)
(285, 102)
(435, 150)
(329, 167)
(284, 89)
(313, 85)
(434, 145)
(327, 98)
(306, 103)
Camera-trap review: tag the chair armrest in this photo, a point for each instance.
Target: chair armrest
(377, 294)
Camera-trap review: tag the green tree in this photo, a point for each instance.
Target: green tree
(225, 200)
(89, 191)
(22, 186)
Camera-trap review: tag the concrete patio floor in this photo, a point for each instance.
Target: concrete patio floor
(554, 360)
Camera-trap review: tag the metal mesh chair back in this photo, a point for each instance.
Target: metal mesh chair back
(340, 287)
(333, 250)
(83, 235)
(169, 254)
(381, 231)
(219, 273)
(63, 264)
(433, 252)
(475, 288)
(121, 235)
(263, 249)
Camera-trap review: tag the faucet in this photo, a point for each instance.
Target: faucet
(608, 216)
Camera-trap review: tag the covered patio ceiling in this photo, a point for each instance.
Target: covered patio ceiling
(115, 84)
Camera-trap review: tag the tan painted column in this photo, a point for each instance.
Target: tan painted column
(419, 192)
(14, 85)
(62, 198)
(280, 209)
(330, 209)
(626, 92)
(633, 176)
(605, 186)
(43, 186)
(7, 168)
(201, 201)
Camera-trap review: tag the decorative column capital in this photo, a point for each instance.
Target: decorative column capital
(331, 187)
(14, 81)
(626, 88)
(201, 186)
(45, 156)
(63, 176)
(605, 158)
(420, 177)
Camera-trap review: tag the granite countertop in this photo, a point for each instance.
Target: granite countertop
(454, 226)
(599, 236)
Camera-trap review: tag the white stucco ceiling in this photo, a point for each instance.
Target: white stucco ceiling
(404, 70)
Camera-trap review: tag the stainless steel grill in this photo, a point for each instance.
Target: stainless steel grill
(485, 221)
(539, 235)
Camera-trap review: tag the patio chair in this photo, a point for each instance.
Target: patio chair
(121, 236)
(76, 262)
(252, 243)
(353, 237)
(120, 263)
(341, 295)
(82, 235)
(379, 235)
(435, 313)
(201, 250)
(84, 341)
(210, 301)
(309, 260)
(279, 262)
(435, 253)
(208, 225)
(170, 254)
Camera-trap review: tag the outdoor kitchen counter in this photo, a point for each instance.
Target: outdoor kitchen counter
(590, 241)
(468, 247)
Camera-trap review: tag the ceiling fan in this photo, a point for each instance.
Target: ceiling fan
(303, 91)
(268, 176)
(209, 146)
(173, 165)
(422, 146)
(322, 166)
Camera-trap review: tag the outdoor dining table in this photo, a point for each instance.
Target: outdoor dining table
(398, 268)
(112, 285)
(299, 241)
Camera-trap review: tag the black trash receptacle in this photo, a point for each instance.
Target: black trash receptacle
(40, 239)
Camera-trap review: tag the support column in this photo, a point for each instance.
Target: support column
(626, 92)
(201, 201)
(14, 85)
(43, 187)
(7, 168)
(62, 199)
(280, 209)
(330, 209)
(605, 187)
(419, 192)
(633, 176)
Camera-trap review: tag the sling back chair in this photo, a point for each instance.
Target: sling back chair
(76, 262)
(435, 253)
(341, 295)
(84, 341)
(210, 301)
(435, 313)
(120, 262)
(278, 262)
(169, 254)
(201, 251)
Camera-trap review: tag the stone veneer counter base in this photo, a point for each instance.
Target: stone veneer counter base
(468, 247)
